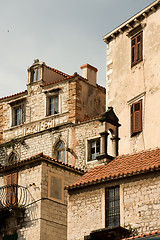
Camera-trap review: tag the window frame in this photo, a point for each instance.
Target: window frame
(62, 187)
(15, 121)
(51, 112)
(136, 118)
(89, 159)
(136, 49)
(35, 74)
(116, 209)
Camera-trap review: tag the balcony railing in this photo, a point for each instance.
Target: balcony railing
(13, 196)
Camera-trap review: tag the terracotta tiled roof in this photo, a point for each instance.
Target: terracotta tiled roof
(20, 93)
(87, 119)
(153, 234)
(37, 157)
(60, 80)
(67, 77)
(121, 166)
(57, 71)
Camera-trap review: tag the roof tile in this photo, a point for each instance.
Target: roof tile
(121, 166)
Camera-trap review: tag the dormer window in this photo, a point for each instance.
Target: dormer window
(35, 75)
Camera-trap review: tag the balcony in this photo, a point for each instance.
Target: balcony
(13, 200)
(13, 196)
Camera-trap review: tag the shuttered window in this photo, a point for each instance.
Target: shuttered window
(136, 117)
(136, 49)
(11, 191)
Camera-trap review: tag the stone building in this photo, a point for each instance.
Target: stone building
(116, 200)
(47, 133)
(58, 115)
(133, 79)
(124, 194)
(33, 203)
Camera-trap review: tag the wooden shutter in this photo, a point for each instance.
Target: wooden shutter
(136, 117)
(139, 42)
(11, 192)
(137, 49)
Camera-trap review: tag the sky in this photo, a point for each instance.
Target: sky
(64, 34)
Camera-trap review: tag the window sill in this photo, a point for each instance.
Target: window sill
(16, 126)
(135, 63)
(136, 134)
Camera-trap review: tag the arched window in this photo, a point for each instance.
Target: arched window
(13, 157)
(61, 152)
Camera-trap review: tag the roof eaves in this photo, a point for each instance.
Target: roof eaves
(110, 178)
(60, 80)
(14, 95)
(112, 34)
(43, 157)
(143, 235)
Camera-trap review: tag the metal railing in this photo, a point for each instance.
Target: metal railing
(13, 196)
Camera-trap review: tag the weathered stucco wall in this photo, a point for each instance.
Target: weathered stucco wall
(92, 100)
(124, 84)
(139, 206)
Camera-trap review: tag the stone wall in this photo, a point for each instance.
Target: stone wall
(84, 213)
(75, 138)
(54, 212)
(78, 101)
(139, 206)
(30, 178)
(44, 218)
(1, 123)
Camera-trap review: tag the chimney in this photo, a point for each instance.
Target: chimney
(89, 72)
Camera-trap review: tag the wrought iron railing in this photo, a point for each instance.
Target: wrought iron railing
(13, 196)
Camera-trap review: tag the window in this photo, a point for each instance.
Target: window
(112, 206)
(18, 115)
(94, 149)
(35, 75)
(136, 117)
(53, 105)
(60, 151)
(136, 49)
(56, 187)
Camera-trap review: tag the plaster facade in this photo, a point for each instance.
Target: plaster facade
(127, 84)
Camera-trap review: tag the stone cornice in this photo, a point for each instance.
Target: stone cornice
(132, 22)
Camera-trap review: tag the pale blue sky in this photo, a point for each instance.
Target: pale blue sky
(62, 33)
